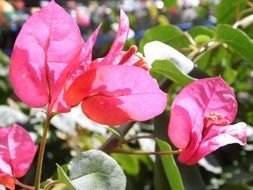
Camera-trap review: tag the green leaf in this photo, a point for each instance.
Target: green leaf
(191, 176)
(201, 30)
(160, 131)
(227, 10)
(4, 59)
(170, 70)
(170, 3)
(200, 39)
(129, 163)
(170, 167)
(95, 170)
(237, 40)
(63, 178)
(229, 75)
(167, 34)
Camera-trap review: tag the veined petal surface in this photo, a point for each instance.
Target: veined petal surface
(17, 151)
(200, 119)
(115, 53)
(116, 94)
(47, 48)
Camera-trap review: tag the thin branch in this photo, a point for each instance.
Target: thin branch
(42, 150)
(250, 4)
(24, 186)
(138, 152)
(245, 12)
(115, 140)
(51, 184)
(151, 136)
(208, 46)
(185, 49)
(189, 37)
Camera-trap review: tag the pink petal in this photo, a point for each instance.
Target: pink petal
(181, 123)
(47, 48)
(220, 136)
(185, 127)
(15, 141)
(19, 141)
(5, 166)
(209, 95)
(117, 94)
(114, 55)
(76, 71)
(86, 55)
(195, 140)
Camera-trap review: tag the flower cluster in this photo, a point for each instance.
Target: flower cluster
(56, 66)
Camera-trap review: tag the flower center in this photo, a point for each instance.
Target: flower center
(139, 63)
(213, 119)
(130, 52)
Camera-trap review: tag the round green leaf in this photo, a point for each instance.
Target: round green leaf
(95, 170)
(200, 39)
(168, 34)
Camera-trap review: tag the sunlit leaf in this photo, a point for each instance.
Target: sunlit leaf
(169, 70)
(237, 40)
(63, 178)
(170, 167)
(227, 11)
(200, 39)
(167, 34)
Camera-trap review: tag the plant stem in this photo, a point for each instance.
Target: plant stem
(51, 184)
(151, 136)
(115, 140)
(122, 151)
(20, 184)
(41, 151)
(206, 47)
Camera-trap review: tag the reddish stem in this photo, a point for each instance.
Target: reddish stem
(24, 186)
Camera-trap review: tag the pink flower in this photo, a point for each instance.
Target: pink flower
(117, 88)
(17, 151)
(201, 117)
(51, 65)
